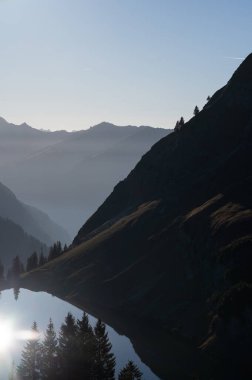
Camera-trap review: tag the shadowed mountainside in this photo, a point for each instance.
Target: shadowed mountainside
(33, 221)
(14, 241)
(171, 246)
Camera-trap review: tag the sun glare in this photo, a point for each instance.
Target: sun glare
(6, 335)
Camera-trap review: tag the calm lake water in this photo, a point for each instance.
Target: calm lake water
(40, 307)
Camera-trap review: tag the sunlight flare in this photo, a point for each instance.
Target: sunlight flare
(7, 336)
(27, 335)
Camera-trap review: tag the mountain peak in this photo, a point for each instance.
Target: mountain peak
(244, 71)
(103, 124)
(26, 126)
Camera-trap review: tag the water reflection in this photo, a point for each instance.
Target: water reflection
(39, 307)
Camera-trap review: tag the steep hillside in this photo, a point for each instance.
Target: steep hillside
(171, 246)
(15, 242)
(73, 176)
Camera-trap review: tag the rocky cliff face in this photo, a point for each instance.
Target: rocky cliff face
(171, 245)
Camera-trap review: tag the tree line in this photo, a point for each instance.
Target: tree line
(34, 261)
(79, 352)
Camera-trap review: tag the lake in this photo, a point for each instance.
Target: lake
(39, 307)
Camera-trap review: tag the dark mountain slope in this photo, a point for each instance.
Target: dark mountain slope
(15, 242)
(181, 160)
(171, 245)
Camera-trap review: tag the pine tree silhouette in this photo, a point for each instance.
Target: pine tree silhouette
(49, 350)
(130, 372)
(104, 358)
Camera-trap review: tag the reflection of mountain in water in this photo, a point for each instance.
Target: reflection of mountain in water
(45, 306)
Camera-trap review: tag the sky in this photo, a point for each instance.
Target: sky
(70, 64)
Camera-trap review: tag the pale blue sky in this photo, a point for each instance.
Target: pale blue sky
(74, 63)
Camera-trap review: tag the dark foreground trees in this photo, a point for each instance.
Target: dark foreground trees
(80, 352)
(179, 124)
(104, 368)
(130, 372)
(49, 361)
(196, 111)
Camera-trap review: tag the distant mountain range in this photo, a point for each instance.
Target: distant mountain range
(170, 248)
(68, 174)
(19, 142)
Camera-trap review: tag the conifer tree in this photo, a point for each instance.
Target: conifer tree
(49, 350)
(58, 248)
(30, 361)
(13, 275)
(16, 292)
(104, 358)
(177, 126)
(42, 259)
(52, 253)
(55, 251)
(32, 262)
(130, 372)
(87, 347)
(196, 111)
(16, 268)
(181, 122)
(84, 328)
(68, 349)
(34, 258)
(28, 264)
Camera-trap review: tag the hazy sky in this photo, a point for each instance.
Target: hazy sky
(74, 63)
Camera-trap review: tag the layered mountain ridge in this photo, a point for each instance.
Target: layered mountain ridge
(24, 229)
(14, 241)
(32, 220)
(19, 142)
(70, 173)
